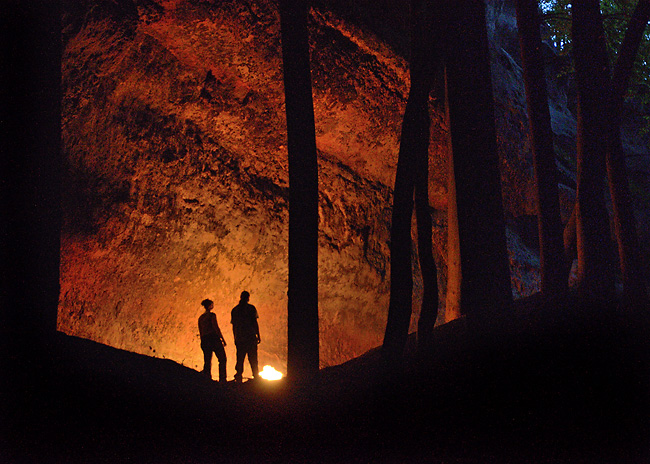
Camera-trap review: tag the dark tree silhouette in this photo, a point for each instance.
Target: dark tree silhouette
(413, 154)
(428, 63)
(479, 275)
(595, 274)
(302, 356)
(430, 294)
(634, 291)
(414, 139)
(551, 249)
(570, 245)
(30, 166)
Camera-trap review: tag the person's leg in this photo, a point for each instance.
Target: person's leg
(252, 359)
(239, 366)
(221, 357)
(207, 360)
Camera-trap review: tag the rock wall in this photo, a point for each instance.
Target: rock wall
(176, 173)
(176, 186)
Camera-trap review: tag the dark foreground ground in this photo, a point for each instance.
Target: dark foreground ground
(539, 385)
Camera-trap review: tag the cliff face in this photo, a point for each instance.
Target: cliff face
(174, 137)
(176, 173)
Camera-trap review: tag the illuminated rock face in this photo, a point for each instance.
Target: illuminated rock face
(176, 190)
(174, 134)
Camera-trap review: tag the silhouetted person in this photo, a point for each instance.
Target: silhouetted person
(247, 335)
(212, 341)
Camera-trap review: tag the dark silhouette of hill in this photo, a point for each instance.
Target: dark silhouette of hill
(543, 384)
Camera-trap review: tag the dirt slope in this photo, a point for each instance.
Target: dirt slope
(542, 384)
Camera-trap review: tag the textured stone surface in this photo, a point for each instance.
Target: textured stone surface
(174, 135)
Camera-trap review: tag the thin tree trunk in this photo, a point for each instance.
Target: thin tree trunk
(595, 276)
(412, 177)
(427, 54)
(426, 37)
(429, 309)
(478, 260)
(551, 250)
(302, 356)
(634, 291)
(570, 245)
(629, 49)
(401, 277)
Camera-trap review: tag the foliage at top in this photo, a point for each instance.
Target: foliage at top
(556, 28)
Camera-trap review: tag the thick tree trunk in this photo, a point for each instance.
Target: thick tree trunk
(302, 317)
(634, 290)
(30, 186)
(30, 208)
(478, 259)
(551, 250)
(595, 275)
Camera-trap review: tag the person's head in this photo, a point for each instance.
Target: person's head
(207, 304)
(245, 296)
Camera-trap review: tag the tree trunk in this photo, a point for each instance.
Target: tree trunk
(31, 167)
(302, 317)
(30, 209)
(624, 223)
(634, 290)
(478, 258)
(429, 309)
(570, 245)
(595, 275)
(412, 176)
(551, 250)
(426, 39)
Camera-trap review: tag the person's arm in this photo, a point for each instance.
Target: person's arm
(257, 328)
(215, 325)
(234, 326)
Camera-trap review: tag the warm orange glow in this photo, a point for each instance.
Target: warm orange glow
(269, 373)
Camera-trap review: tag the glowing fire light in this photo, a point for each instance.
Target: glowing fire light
(269, 373)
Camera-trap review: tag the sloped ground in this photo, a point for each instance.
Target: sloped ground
(542, 384)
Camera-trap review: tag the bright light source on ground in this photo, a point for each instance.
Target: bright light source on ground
(269, 373)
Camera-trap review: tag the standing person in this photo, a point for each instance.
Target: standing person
(212, 341)
(247, 335)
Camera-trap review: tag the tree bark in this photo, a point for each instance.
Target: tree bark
(629, 49)
(625, 227)
(31, 167)
(478, 260)
(595, 275)
(426, 38)
(30, 208)
(429, 309)
(634, 290)
(412, 178)
(552, 260)
(570, 245)
(302, 317)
